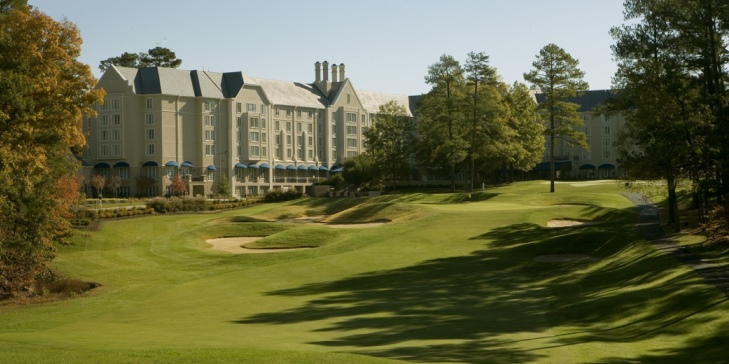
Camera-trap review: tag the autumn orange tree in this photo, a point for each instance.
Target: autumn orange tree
(44, 90)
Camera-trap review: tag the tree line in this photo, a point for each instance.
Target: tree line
(672, 80)
(472, 121)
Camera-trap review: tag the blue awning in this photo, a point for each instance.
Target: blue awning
(150, 164)
(606, 166)
(186, 164)
(102, 165)
(337, 169)
(121, 164)
(301, 167)
(587, 166)
(323, 168)
(279, 166)
(265, 165)
(211, 167)
(240, 165)
(172, 164)
(291, 167)
(313, 168)
(253, 165)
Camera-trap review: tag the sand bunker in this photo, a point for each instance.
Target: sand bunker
(564, 223)
(565, 258)
(234, 245)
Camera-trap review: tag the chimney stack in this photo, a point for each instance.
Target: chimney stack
(334, 72)
(326, 71)
(341, 72)
(317, 71)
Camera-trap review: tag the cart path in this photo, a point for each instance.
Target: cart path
(650, 227)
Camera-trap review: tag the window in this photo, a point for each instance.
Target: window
(103, 120)
(352, 143)
(351, 130)
(263, 151)
(238, 107)
(254, 122)
(299, 140)
(319, 128)
(311, 154)
(115, 104)
(311, 140)
(278, 139)
(116, 119)
(351, 117)
(263, 109)
(239, 121)
(607, 142)
(349, 98)
(351, 154)
(263, 123)
(276, 111)
(251, 107)
(310, 128)
(288, 126)
(298, 114)
(334, 141)
(149, 134)
(298, 127)
(150, 148)
(288, 153)
(170, 172)
(116, 149)
(149, 119)
(278, 153)
(104, 150)
(263, 137)
(364, 119)
(310, 114)
(104, 106)
(149, 103)
(288, 140)
(237, 139)
(151, 172)
(209, 120)
(254, 136)
(123, 172)
(288, 113)
(606, 130)
(334, 154)
(606, 154)
(210, 149)
(209, 135)
(254, 150)
(184, 171)
(115, 134)
(103, 135)
(206, 106)
(210, 175)
(278, 125)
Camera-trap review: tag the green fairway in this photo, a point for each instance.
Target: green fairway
(449, 278)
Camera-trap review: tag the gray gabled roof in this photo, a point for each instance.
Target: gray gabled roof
(170, 81)
(373, 100)
(588, 100)
(289, 93)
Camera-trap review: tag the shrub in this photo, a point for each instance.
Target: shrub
(278, 195)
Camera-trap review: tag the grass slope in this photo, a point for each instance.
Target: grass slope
(450, 279)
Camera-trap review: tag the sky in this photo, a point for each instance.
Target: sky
(386, 45)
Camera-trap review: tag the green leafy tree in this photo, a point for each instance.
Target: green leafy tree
(668, 123)
(224, 186)
(7, 5)
(556, 76)
(442, 119)
(527, 133)
(98, 182)
(362, 170)
(389, 140)
(157, 56)
(44, 91)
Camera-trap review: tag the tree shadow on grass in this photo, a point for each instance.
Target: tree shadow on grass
(497, 305)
